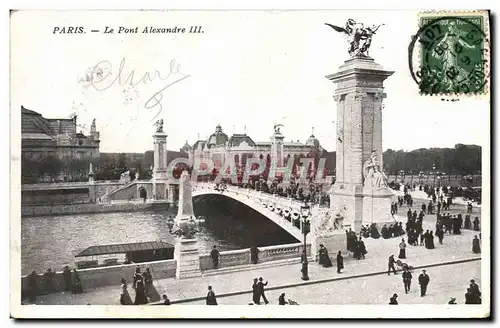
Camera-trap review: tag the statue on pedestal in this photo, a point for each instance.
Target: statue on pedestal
(374, 177)
(125, 177)
(277, 128)
(159, 125)
(358, 36)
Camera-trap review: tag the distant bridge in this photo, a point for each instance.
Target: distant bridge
(285, 212)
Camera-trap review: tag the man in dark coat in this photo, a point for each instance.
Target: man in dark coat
(430, 237)
(469, 297)
(260, 289)
(340, 262)
(440, 233)
(391, 266)
(423, 281)
(254, 254)
(255, 292)
(211, 299)
(407, 280)
(67, 278)
(393, 300)
(476, 245)
(475, 224)
(474, 289)
(214, 255)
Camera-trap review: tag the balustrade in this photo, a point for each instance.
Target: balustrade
(266, 254)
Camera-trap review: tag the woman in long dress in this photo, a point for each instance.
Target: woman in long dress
(140, 293)
(125, 298)
(476, 246)
(340, 262)
(324, 258)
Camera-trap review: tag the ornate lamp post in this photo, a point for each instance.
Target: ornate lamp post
(434, 174)
(305, 213)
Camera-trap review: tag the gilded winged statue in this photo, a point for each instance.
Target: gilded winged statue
(358, 36)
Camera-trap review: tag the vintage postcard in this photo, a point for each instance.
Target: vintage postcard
(250, 163)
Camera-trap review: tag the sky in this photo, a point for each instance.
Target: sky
(247, 71)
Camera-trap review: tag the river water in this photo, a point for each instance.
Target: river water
(48, 242)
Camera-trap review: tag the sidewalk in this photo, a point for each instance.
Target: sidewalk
(455, 248)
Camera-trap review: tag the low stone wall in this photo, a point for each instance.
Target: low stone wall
(42, 210)
(104, 276)
(266, 254)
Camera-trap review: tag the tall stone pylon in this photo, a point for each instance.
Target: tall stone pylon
(186, 251)
(160, 176)
(360, 193)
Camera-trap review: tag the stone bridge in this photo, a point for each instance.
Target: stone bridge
(285, 212)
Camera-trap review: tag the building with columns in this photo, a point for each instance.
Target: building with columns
(221, 148)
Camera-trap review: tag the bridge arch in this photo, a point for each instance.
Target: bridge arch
(246, 198)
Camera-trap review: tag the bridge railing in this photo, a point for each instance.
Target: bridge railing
(243, 256)
(256, 195)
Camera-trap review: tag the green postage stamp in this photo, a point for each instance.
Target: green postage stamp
(449, 55)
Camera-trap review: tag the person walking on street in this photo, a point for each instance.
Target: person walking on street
(254, 254)
(340, 262)
(362, 248)
(148, 282)
(214, 255)
(407, 280)
(440, 234)
(211, 299)
(476, 293)
(68, 283)
(476, 245)
(423, 281)
(140, 293)
(402, 249)
(255, 292)
(391, 265)
(137, 277)
(125, 298)
(260, 289)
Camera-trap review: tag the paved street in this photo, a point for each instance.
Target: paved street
(454, 248)
(446, 281)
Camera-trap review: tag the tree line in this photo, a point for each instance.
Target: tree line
(462, 159)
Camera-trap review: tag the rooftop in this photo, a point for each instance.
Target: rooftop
(124, 248)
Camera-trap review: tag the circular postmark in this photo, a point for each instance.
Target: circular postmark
(449, 55)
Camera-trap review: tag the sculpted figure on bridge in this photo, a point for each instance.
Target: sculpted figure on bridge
(125, 177)
(329, 223)
(374, 177)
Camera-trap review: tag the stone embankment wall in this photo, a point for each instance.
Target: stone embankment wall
(43, 210)
(104, 276)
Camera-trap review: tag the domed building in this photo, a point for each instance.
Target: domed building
(220, 148)
(218, 138)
